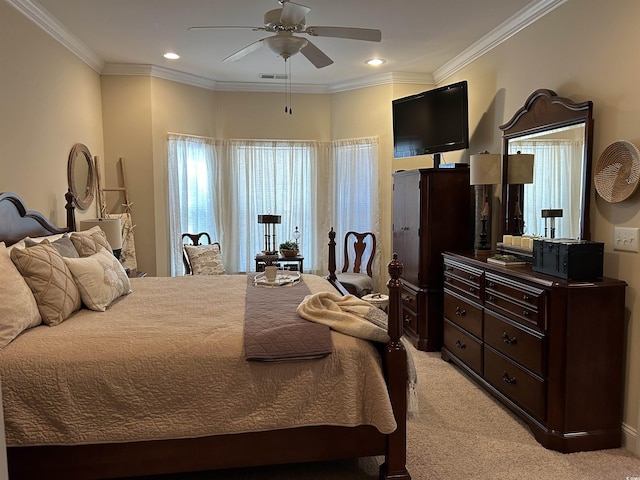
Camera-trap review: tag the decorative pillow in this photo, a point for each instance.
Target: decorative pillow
(101, 279)
(90, 241)
(205, 259)
(63, 245)
(18, 307)
(50, 281)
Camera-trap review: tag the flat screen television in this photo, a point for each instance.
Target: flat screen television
(431, 122)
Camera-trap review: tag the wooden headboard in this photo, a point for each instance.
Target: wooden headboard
(16, 222)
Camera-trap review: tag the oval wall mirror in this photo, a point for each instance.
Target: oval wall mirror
(80, 175)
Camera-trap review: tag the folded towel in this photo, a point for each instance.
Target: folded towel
(353, 316)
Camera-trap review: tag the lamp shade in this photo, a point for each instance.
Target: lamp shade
(484, 169)
(520, 168)
(269, 218)
(110, 226)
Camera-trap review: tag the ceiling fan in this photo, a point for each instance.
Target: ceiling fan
(289, 20)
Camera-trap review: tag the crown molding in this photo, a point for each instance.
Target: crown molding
(158, 72)
(530, 14)
(47, 22)
(382, 79)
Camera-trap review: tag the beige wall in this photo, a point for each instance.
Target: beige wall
(49, 100)
(584, 50)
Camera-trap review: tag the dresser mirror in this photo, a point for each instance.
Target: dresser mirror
(81, 176)
(559, 135)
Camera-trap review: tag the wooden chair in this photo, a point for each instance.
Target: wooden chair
(194, 239)
(358, 280)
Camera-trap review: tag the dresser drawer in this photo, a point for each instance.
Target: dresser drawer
(522, 346)
(409, 299)
(463, 279)
(522, 387)
(410, 320)
(464, 314)
(519, 302)
(464, 346)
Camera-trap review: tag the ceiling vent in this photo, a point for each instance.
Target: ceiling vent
(274, 76)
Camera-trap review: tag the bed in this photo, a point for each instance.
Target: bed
(170, 391)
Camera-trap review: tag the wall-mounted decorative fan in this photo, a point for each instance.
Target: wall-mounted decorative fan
(289, 20)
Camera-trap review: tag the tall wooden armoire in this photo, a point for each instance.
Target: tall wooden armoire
(431, 214)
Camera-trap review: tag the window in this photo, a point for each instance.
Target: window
(312, 185)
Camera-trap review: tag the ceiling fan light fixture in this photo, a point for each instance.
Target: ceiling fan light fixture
(374, 62)
(286, 46)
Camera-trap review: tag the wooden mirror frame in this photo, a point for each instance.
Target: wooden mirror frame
(79, 151)
(544, 110)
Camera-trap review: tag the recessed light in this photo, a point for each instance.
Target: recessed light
(375, 61)
(171, 56)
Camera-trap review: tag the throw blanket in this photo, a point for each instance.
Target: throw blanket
(273, 331)
(353, 316)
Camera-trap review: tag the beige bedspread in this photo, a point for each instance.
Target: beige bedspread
(167, 362)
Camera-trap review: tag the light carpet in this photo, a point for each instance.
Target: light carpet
(461, 432)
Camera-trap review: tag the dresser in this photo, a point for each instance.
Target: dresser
(549, 349)
(431, 214)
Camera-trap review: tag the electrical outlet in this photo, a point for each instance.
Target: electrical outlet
(626, 238)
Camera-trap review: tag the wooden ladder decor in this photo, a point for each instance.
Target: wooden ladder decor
(102, 201)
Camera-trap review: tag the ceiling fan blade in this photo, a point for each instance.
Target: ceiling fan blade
(368, 34)
(211, 27)
(293, 13)
(252, 47)
(315, 55)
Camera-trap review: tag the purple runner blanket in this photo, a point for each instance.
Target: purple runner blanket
(273, 331)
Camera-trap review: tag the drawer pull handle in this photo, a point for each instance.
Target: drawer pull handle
(461, 312)
(408, 299)
(472, 277)
(525, 313)
(472, 289)
(448, 269)
(525, 298)
(492, 285)
(407, 319)
(508, 379)
(460, 345)
(491, 298)
(507, 339)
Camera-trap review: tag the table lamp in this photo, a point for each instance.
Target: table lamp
(269, 221)
(520, 172)
(484, 172)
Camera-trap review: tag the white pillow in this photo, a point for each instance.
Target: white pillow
(18, 307)
(101, 279)
(205, 259)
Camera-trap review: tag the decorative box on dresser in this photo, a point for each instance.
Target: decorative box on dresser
(431, 214)
(549, 349)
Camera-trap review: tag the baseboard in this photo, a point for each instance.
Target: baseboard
(630, 439)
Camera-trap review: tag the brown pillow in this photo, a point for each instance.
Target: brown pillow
(50, 280)
(90, 241)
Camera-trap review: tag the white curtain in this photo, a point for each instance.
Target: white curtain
(557, 179)
(354, 201)
(192, 176)
(312, 185)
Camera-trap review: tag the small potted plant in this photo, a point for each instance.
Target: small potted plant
(289, 249)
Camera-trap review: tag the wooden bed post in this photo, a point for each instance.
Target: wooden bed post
(332, 256)
(71, 211)
(395, 360)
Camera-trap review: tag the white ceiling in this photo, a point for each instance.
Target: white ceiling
(421, 39)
